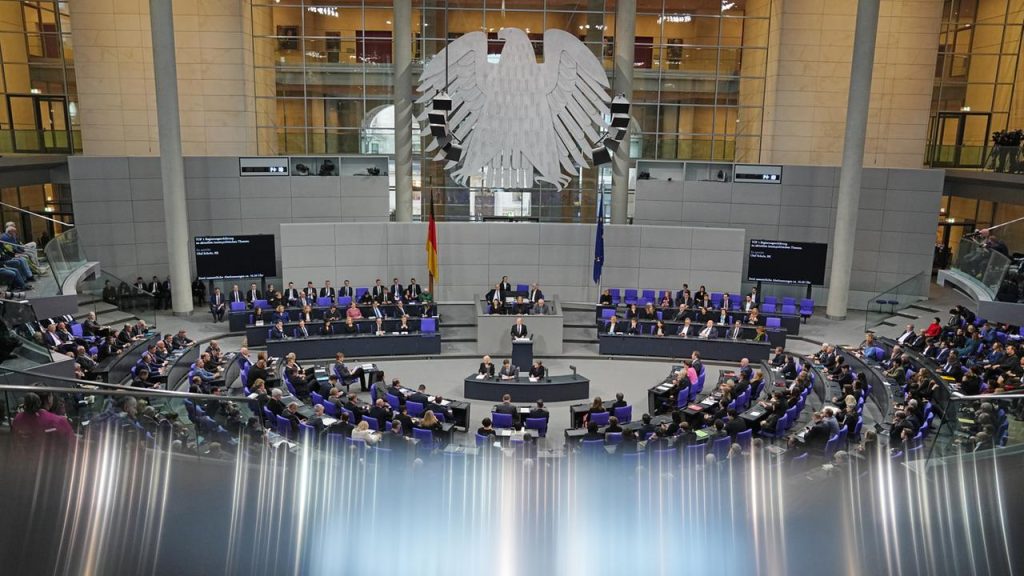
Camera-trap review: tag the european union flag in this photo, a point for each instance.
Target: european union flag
(599, 241)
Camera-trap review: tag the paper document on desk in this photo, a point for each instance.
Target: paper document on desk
(533, 379)
(369, 366)
(480, 376)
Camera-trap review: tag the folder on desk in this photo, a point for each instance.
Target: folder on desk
(695, 407)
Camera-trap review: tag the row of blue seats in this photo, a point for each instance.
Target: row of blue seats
(768, 304)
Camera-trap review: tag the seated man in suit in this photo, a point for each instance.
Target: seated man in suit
(506, 407)
(181, 340)
(419, 396)
(521, 306)
(309, 293)
(613, 326)
(519, 329)
(634, 328)
(686, 330)
(486, 367)
(508, 371)
(606, 298)
(540, 308)
(539, 411)
(736, 332)
(291, 295)
(217, 305)
(277, 332)
(709, 331)
(301, 331)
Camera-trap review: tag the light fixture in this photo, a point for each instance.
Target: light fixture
(726, 5)
(675, 18)
(965, 108)
(36, 91)
(388, 22)
(323, 10)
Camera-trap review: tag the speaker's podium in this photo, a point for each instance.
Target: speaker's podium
(522, 353)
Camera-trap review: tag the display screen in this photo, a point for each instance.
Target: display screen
(220, 257)
(781, 262)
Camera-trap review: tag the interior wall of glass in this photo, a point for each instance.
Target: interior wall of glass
(50, 200)
(698, 88)
(39, 107)
(975, 81)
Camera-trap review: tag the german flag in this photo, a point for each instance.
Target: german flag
(432, 245)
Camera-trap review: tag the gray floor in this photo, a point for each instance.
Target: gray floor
(444, 375)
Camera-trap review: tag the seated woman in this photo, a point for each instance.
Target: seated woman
(306, 314)
(280, 315)
(632, 312)
(648, 313)
(606, 298)
(666, 300)
(659, 328)
(430, 422)
(634, 327)
(596, 407)
(363, 432)
(353, 312)
(403, 327)
(257, 316)
(349, 328)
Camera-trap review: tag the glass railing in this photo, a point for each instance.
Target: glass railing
(64, 254)
(21, 336)
(40, 141)
(108, 290)
(975, 424)
(987, 267)
(886, 304)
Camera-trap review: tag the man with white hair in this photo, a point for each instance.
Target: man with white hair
(10, 236)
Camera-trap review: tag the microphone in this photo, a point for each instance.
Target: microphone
(547, 375)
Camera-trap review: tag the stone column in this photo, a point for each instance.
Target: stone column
(402, 62)
(172, 169)
(625, 37)
(853, 157)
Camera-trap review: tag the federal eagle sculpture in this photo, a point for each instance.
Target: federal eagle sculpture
(518, 121)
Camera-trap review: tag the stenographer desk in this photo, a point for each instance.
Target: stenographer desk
(676, 347)
(316, 347)
(553, 389)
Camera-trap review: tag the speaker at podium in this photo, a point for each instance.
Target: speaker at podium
(522, 353)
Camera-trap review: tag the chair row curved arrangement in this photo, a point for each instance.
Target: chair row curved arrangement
(769, 304)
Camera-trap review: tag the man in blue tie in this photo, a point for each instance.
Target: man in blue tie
(377, 312)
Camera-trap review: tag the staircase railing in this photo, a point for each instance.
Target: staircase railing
(887, 303)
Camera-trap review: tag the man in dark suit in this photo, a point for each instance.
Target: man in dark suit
(301, 331)
(486, 367)
(687, 330)
(310, 293)
(342, 426)
(508, 371)
(379, 292)
(436, 405)
(253, 294)
(539, 411)
(497, 298)
(275, 404)
(535, 293)
(406, 421)
(277, 332)
(217, 305)
(620, 402)
(504, 284)
(317, 420)
(396, 292)
(346, 290)
(419, 396)
(735, 425)
(817, 433)
(380, 411)
(413, 291)
(291, 295)
(328, 291)
(519, 329)
(736, 332)
(377, 311)
(506, 407)
(154, 288)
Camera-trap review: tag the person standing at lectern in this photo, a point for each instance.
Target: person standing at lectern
(486, 368)
(519, 329)
(508, 371)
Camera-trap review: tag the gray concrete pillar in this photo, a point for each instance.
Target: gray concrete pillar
(625, 36)
(172, 168)
(853, 157)
(402, 60)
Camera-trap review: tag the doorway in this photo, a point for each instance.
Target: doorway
(40, 123)
(960, 139)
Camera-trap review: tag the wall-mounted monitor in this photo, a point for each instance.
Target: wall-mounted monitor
(221, 257)
(781, 262)
(758, 174)
(263, 166)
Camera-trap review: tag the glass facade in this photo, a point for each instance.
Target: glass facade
(975, 81)
(324, 83)
(39, 112)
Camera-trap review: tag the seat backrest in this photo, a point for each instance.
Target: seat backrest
(424, 436)
(76, 330)
(607, 313)
(428, 325)
(344, 301)
(768, 307)
(393, 400)
(614, 292)
(415, 409)
(501, 420)
(539, 424)
(788, 309)
(770, 300)
(773, 322)
(600, 418)
(372, 422)
(259, 304)
(613, 438)
(481, 440)
(522, 288)
(624, 414)
(360, 292)
(236, 306)
(807, 304)
(788, 301)
(744, 438)
(323, 301)
(720, 447)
